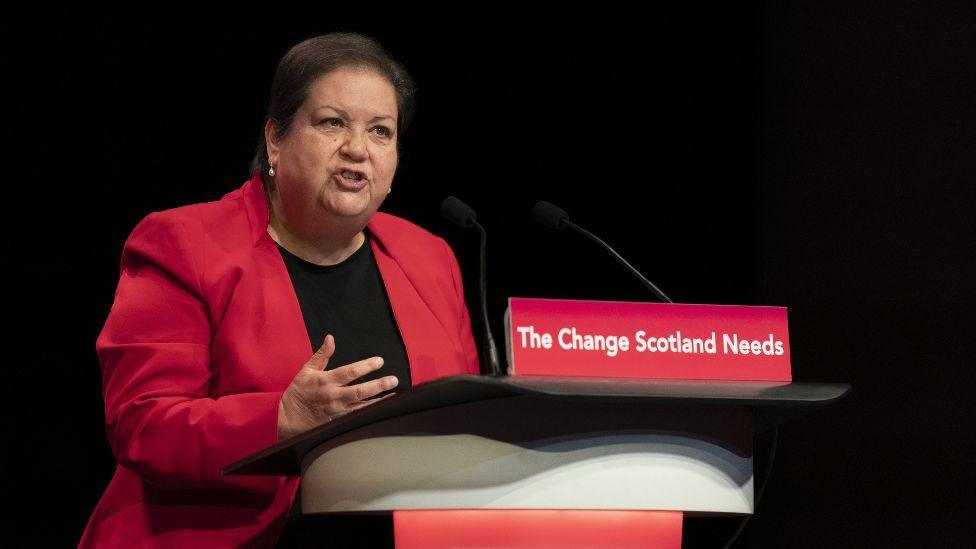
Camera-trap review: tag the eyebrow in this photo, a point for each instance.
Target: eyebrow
(345, 114)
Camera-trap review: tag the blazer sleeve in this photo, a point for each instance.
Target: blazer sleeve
(464, 318)
(154, 352)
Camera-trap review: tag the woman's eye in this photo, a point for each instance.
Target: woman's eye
(383, 131)
(332, 122)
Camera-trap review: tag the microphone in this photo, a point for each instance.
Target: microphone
(550, 215)
(554, 217)
(459, 213)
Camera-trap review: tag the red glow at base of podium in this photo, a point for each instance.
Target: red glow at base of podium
(536, 528)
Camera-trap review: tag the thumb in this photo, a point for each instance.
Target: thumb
(321, 357)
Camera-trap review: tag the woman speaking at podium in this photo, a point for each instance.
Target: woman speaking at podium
(241, 322)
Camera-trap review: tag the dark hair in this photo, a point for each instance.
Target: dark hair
(313, 58)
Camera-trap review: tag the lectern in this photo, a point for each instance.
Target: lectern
(528, 461)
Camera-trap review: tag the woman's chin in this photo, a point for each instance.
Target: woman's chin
(348, 204)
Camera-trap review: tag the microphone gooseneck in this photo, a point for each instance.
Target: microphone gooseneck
(554, 217)
(459, 213)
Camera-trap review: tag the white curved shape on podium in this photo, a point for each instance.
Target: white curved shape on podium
(464, 471)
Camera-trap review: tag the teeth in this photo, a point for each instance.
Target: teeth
(352, 175)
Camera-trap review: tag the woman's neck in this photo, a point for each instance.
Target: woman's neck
(326, 244)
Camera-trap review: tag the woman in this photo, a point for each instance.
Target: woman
(207, 354)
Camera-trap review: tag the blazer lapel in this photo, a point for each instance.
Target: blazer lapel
(409, 312)
(284, 330)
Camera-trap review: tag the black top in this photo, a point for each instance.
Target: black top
(349, 301)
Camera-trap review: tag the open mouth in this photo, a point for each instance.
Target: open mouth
(352, 175)
(351, 180)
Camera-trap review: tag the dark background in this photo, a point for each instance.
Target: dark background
(798, 154)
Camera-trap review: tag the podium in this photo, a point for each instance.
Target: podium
(529, 461)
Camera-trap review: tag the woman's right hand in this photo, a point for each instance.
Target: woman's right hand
(317, 395)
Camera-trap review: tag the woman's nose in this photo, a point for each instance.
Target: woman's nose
(355, 145)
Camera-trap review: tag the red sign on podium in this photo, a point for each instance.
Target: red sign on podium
(561, 337)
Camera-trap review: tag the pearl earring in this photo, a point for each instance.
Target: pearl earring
(271, 171)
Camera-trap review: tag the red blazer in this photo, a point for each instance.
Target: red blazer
(204, 336)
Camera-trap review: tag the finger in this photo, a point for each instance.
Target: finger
(343, 375)
(361, 404)
(362, 391)
(365, 403)
(320, 359)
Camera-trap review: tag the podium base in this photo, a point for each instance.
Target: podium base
(536, 528)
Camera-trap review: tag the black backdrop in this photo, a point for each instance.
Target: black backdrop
(817, 157)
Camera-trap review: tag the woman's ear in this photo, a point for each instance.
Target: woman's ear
(271, 141)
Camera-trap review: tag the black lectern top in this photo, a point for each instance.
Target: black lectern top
(771, 402)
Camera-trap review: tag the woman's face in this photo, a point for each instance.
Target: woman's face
(340, 153)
